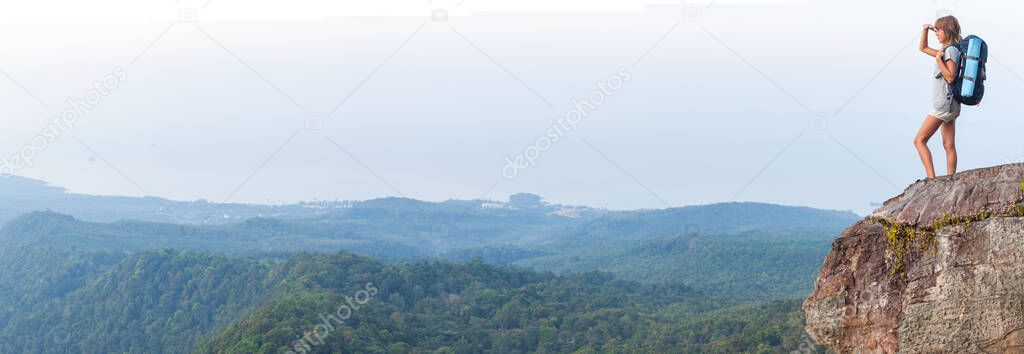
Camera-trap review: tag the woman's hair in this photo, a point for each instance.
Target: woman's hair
(951, 26)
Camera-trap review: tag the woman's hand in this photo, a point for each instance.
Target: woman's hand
(939, 55)
(923, 46)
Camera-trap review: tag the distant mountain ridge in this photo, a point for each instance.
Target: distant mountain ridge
(456, 276)
(21, 195)
(650, 246)
(749, 250)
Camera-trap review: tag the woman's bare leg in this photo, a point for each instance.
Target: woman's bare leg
(928, 128)
(949, 142)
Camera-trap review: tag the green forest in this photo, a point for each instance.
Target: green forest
(175, 301)
(381, 277)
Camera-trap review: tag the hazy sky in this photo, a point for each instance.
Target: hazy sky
(719, 105)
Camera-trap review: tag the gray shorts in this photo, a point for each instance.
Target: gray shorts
(946, 116)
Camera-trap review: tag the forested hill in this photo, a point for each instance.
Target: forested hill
(458, 276)
(745, 250)
(65, 301)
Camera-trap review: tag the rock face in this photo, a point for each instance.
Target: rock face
(957, 286)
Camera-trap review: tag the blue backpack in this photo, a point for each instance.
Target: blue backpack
(969, 86)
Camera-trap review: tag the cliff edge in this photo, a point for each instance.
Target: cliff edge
(938, 268)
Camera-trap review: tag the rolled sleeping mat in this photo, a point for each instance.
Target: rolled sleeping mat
(971, 67)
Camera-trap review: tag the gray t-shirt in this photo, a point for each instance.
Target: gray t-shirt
(942, 96)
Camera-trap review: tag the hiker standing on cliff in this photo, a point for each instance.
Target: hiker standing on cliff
(945, 108)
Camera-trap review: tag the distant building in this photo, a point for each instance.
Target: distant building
(568, 212)
(525, 200)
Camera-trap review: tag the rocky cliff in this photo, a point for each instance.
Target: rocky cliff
(939, 268)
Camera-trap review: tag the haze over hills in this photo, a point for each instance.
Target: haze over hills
(22, 195)
(155, 275)
(733, 247)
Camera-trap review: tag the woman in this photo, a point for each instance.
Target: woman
(945, 108)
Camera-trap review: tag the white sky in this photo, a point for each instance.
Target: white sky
(436, 106)
(142, 11)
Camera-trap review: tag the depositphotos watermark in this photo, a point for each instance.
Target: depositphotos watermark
(58, 124)
(565, 123)
(328, 323)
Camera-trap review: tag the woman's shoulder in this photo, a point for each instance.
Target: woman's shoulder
(952, 50)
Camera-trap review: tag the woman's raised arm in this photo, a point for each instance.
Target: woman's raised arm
(923, 47)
